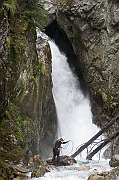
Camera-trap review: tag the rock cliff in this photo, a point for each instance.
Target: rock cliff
(92, 26)
(26, 101)
(93, 30)
(27, 110)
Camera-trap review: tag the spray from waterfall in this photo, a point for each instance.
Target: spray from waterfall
(73, 108)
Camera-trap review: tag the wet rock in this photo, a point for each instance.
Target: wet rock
(40, 166)
(37, 160)
(117, 178)
(40, 171)
(19, 178)
(64, 161)
(95, 177)
(85, 168)
(20, 169)
(8, 171)
(108, 175)
(51, 6)
(93, 33)
(19, 173)
(114, 161)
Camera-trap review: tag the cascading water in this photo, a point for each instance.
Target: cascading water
(73, 108)
(74, 119)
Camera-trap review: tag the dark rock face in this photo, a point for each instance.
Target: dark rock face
(93, 30)
(25, 74)
(3, 61)
(8, 171)
(60, 38)
(40, 167)
(25, 80)
(114, 162)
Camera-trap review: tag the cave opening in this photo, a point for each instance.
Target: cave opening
(60, 38)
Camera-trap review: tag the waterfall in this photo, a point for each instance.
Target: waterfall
(73, 108)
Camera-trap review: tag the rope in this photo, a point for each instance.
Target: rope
(66, 146)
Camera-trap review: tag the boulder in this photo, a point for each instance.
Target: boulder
(92, 31)
(106, 175)
(40, 167)
(117, 178)
(63, 161)
(114, 161)
(85, 168)
(15, 172)
(95, 177)
(20, 169)
(38, 172)
(37, 160)
(21, 178)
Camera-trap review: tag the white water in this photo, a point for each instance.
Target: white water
(74, 120)
(73, 109)
(73, 172)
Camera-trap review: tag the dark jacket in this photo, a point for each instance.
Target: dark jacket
(59, 142)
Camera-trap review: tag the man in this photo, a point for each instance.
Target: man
(57, 147)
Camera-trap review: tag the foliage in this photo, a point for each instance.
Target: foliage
(64, 3)
(33, 10)
(11, 133)
(29, 14)
(16, 154)
(4, 166)
(8, 41)
(14, 113)
(16, 52)
(25, 123)
(40, 68)
(11, 6)
(13, 123)
(117, 168)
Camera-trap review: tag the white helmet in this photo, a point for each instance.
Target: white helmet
(62, 138)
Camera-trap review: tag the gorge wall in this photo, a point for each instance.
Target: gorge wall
(92, 26)
(93, 30)
(27, 110)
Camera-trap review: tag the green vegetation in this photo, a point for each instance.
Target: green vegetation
(5, 168)
(33, 10)
(15, 54)
(23, 17)
(117, 168)
(40, 68)
(8, 41)
(65, 3)
(11, 133)
(11, 6)
(13, 114)
(15, 154)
